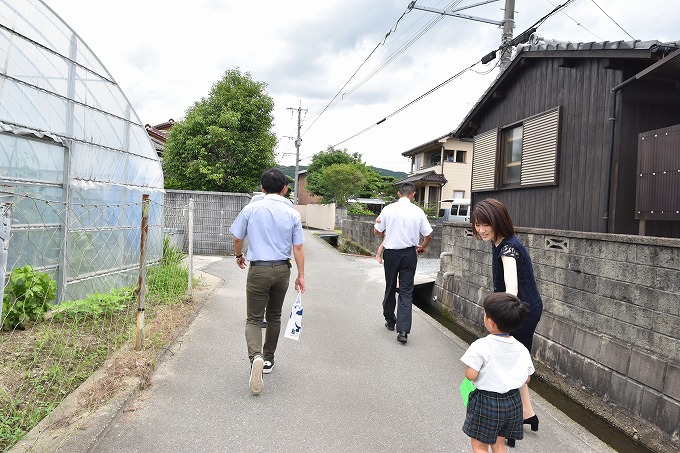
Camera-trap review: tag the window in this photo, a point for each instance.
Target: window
(521, 155)
(511, 144)
(456, 156)
(458, 194)
(418, 163)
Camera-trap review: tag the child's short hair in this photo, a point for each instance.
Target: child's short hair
(506, 310)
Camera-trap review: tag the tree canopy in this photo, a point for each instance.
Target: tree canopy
(336, 176)
(225, 141)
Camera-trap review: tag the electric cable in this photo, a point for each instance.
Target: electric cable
(389, 59)
(500, 49)
(605, 13)
(360, 66)
(578, 23)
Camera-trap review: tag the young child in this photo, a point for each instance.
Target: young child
(381, 247)
(379, 253)
(499, 365)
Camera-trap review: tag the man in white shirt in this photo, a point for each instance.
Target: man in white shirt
(401, 224)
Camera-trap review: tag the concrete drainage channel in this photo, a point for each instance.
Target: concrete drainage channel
(610, 435)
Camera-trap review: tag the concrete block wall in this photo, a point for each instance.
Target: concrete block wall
(611, 320)
(359, 229)
(214, 212)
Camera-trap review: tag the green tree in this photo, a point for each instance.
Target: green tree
(225, 141)
(378, 186)
(342, 182)
(371, 185)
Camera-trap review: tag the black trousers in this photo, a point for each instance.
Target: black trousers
(400, 265)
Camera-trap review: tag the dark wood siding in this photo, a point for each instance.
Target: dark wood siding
(645, 106)
(578, 201)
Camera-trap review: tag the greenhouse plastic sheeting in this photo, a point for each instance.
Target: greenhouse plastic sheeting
(71, 147)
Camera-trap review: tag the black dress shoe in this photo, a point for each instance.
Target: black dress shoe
(402, 337)
(533, 421)
(389, 325)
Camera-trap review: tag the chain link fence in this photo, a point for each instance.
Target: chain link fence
(79, 281)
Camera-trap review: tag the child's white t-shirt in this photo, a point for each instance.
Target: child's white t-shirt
(503, 363)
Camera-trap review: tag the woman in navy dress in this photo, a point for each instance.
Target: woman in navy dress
(512, 273)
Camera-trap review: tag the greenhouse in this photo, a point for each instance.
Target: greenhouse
(75, 159)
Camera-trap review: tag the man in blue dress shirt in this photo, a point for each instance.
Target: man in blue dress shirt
(273, 228)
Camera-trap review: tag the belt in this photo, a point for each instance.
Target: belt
(270, 263)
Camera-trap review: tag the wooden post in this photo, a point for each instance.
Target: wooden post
(5, 231)
(141, 284)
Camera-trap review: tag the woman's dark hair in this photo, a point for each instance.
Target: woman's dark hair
(492, 212)
(506, 310)
(273, 180)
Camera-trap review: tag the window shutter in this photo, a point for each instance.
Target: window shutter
(539, 149)
(484, 160)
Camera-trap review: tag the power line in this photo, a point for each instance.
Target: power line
(577, 22)
(522, 37)
(605, 13)
(382, 66)
(360, 66)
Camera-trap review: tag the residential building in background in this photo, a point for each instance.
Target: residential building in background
(441, 169)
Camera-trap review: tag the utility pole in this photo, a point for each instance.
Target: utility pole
(298, 142)
(506, 37)
(508, 25)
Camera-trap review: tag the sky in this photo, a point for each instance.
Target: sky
(371, 58)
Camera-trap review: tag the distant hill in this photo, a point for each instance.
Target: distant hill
(290, 171)
(385, 172)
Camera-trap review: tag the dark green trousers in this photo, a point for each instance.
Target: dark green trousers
(265, 292)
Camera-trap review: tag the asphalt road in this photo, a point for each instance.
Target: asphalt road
(347, 385)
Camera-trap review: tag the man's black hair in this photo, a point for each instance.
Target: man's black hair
(273, 181)
(506, 310)
(406, 189)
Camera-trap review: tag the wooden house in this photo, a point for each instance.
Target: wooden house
(582, 137)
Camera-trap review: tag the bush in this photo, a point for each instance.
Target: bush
(96, 305)
(359, 209)
(27, 297)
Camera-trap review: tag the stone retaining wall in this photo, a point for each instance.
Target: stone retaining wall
(610, 331)
(611, 320)
(359, 229)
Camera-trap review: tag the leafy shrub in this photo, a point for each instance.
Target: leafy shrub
(359, 209)
(96, 305)
(431, 210)
(27, 297)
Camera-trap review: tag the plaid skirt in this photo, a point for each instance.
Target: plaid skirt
(491, 414)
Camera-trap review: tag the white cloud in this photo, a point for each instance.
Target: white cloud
(167, 54)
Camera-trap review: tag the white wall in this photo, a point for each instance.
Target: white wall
(319, 216)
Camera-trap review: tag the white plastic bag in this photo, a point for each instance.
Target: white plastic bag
(295, 319)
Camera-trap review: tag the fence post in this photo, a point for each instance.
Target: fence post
(191, 246)
(5, 231)
(141, 284)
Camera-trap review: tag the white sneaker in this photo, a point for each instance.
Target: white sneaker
(256, 385)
